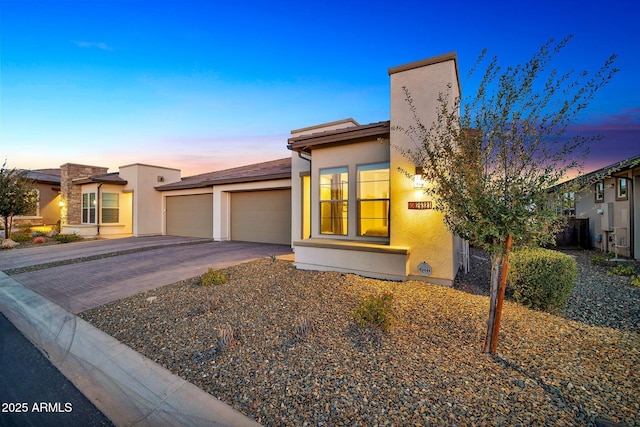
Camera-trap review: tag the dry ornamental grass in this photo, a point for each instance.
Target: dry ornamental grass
(428, 370)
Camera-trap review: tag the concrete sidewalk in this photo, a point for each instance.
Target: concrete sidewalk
(128, 388)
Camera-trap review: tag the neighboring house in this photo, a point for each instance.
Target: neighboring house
(47, 185)
(612, 206)
(341, 200)
(150, 200)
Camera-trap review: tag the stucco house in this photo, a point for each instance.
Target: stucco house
(340, 200)
(612, 206)
(354, 208)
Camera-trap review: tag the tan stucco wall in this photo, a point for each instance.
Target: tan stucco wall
(298, 167)
(48, 206)
(148, 214)
(422, 230)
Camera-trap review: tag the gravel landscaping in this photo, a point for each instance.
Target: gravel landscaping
(428, 370)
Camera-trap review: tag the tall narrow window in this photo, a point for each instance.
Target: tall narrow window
(110, 208)
(599, 190)
(621, 189)
(373, 200)
(334, 195)
(88, 208)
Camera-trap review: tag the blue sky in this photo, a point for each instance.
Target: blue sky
(206, 85)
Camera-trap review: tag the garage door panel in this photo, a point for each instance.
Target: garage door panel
(261, 216)
(190, 216)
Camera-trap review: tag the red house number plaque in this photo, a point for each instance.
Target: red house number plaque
(420, 205)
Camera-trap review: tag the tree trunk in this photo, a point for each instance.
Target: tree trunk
(7, 229)
(498, 289)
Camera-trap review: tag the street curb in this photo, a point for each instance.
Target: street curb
(128, 388)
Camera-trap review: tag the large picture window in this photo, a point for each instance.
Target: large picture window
(110, 208)
(373, 200)
(88, 208)
(334, 195)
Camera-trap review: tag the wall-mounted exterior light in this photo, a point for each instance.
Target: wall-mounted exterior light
(61, 203)
(418, 178)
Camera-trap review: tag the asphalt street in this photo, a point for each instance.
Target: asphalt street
(55, 401)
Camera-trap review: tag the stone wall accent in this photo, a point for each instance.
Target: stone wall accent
(71, 212)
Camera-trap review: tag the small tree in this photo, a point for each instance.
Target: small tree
(494, 156)
(18, 196)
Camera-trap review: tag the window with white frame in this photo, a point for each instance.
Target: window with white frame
(110, 208)
(334, 200)
(88, 208)
(373, 200)
(621, 189)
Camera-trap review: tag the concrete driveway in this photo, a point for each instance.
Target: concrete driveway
(84, 275)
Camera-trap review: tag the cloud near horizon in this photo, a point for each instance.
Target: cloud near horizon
(93, 45)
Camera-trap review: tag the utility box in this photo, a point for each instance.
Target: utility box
(606, 223)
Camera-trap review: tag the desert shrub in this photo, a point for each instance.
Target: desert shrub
(225, 338)
(21, 237)
(602, 259)
(635, 280)
(39, 240)
(303, 328)
(376, 310)
(211, 303)
(67, 238)
(542, 278)
(621, 270)
(213, 278)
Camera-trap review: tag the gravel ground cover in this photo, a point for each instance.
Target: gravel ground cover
(428, 370)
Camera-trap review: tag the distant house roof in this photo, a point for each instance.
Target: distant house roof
(106, 178)
(610, 170)
(275, 169)
(347, 135)
(45, 176)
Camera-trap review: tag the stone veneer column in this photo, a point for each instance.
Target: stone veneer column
(71, 212)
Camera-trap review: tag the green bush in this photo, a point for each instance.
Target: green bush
(67, 238)
(213, 278)
(541, 278)
(20, 237)
(621, 270)
(376, 310)
(635, 280)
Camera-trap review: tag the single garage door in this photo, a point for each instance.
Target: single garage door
(190, 215)
(261, 216)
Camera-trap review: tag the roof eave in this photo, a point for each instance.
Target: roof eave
(213, 182)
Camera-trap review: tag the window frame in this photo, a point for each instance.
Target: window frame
(599, 191)
(89, 208)
(360, 199)
(336, 204)
(104, 208)
(619, 188)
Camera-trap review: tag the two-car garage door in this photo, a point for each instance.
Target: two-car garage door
(255, 216)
